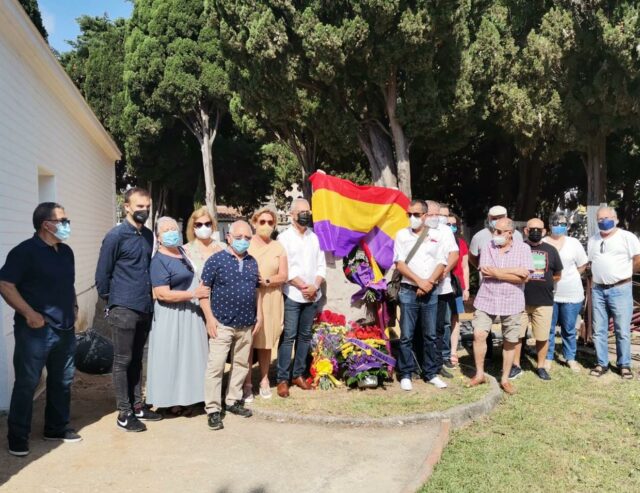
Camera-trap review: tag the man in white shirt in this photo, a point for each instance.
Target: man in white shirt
(485, 235)
(446, 297)
(418, 294)
(307, 270)
(614, 255)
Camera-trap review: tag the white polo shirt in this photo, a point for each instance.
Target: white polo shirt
(612, 257)
(305, 260)
(431, 253)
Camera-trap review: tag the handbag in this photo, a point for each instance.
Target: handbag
(393, 286)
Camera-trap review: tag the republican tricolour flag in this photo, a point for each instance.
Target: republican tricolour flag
(346, 215)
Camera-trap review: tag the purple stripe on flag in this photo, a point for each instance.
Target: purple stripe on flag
(340, 241)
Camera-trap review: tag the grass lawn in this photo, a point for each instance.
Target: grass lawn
(374, 403)
(572, 434)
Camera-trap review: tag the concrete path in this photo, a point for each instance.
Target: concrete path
(182, 454)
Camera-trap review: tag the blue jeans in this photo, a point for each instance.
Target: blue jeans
(566, 315)
(617, 303)
(446, 305)
(422, 311)
(298, 319)
(36, 349)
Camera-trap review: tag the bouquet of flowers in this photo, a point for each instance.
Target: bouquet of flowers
(327, 339)
(364, 356)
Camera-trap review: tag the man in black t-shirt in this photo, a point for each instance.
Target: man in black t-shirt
(538, 295)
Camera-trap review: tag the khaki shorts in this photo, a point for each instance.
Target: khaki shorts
(539, 317)
(510, 324)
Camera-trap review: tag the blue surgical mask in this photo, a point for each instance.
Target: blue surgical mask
(240, 245)
(171, 239)
(63, 231)
(606, 224)
(561, 229)
(492, 223)
(454, 228)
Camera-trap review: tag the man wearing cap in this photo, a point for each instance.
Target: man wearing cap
(484, 236)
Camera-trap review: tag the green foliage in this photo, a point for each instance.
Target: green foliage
(33, 11)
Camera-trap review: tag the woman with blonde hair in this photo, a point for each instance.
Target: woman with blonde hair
(201, 246)
(272, 263)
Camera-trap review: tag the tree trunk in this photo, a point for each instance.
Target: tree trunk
(304, 147)
(376, 146)
(529, 177)
(595, 162)
(401, 147)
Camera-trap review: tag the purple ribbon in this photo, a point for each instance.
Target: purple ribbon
(379, 355)
(363, 276)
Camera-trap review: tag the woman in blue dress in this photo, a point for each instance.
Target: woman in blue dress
(178, 347)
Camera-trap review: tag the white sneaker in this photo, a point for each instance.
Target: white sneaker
(247, 395)
(438, 383)
(265, 392)
(573, 364)
(405, 384)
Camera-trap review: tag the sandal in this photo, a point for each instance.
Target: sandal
(626, 373)
(598, 371)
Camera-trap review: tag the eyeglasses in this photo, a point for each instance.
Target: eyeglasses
(240, 237)
(262, 222)
(64, 221)
(208, 224)
(415, 214)
(558, 223)
(501, 231)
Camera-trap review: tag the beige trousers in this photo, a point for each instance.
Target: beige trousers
(238, 341)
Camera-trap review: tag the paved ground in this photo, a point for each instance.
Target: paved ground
(181, 454)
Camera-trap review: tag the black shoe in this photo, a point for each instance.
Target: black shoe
(239, 410)
(66, 436)
(129, 422)
(445, 373)
(516, 372)
(146, 414)
(215, 421)
(542, 374)
(449, 365)
(18, 448)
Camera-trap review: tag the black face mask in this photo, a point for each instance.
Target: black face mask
(140, 216)
(535, 235)
(304, 218)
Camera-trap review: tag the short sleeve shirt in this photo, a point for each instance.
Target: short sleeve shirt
(483, 237)
(45, 278)
(431, 253)
(233, 284)
(546, 262)
(612, 256)
(177, 273)
(457, 271)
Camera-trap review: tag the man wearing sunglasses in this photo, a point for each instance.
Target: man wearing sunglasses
(505, 265)
(614, 255)
(37, 281)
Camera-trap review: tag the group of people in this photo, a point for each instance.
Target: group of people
(204, 303)
(532, 282)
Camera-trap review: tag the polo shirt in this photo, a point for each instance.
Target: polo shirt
(612, 256)
(45, 279)
(122, 274)
(233, 284)
(431, 253)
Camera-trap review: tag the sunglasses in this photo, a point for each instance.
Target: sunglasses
(208, 224)
(262, 222)
(415, 214)
(64, 221)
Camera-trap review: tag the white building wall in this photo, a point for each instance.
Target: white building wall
(44, 131)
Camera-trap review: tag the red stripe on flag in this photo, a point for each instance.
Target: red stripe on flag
(363, 193)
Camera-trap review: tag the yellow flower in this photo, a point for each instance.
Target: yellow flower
(324, 367)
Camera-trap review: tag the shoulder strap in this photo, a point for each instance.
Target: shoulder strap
(415, 247)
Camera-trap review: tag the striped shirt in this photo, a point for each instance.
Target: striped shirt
(500, 297)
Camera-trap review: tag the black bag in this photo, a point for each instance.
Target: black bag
(94, 353)
(393, 286)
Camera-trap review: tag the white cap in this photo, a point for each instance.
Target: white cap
(497, 210)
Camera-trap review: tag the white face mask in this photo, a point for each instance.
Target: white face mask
(433, 222)
(499, 241)
(203, 232)
(415, 222)
(443, 220)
